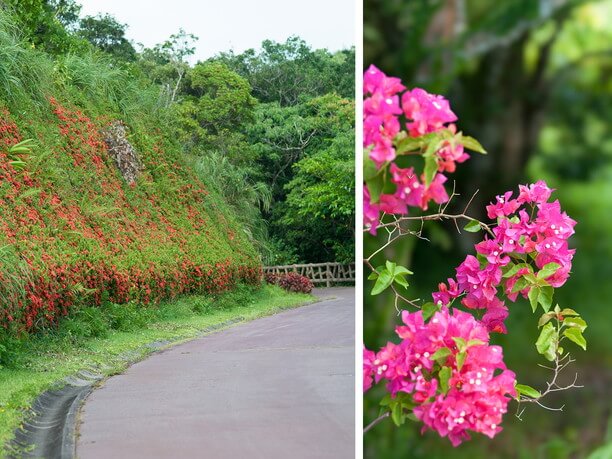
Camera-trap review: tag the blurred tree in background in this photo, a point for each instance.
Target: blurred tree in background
(531, 79)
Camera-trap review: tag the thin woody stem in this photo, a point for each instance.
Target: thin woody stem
(380, 418)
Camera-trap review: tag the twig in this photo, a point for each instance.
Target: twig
(552, 386)
(376, 421)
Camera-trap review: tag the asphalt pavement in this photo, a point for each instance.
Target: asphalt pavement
(277, 387)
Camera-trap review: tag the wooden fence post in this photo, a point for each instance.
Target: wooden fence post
(328, 273)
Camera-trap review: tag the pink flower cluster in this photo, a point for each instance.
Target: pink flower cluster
(424, 113)
(528, 225)
(475, 399)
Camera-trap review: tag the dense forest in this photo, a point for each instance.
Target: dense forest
(271, 128)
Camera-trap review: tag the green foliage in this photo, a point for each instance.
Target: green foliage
(45, 24)
(386, 275)
(529, 391)
(105, 33)
(217, 103)
(321, 201)
(166, 63)
(288, 73)
(247, 199)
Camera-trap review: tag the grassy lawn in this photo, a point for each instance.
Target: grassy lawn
(101, 339)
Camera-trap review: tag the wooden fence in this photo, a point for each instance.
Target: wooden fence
(319, 273)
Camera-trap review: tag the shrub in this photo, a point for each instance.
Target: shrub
(292, 282)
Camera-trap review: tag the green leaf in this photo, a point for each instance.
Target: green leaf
(402, 270)
(545, 297)
(575, 322)
(575, 335)
(444, 375)
(568, 312)
(399, 280)
(460, 342)
(548, 270)
(386, 400)
(529, 391)
(441, 353)
(375, 187)
(383, 282)
(408, 144)
(474, 342)
(396, 415)
(533, 298)
(390, 267)
(429, 309)
(369, 169)
(547, 342)
(431, 167)
(472, 227)
(512, 271)
(545, 318)
(472, 144)
(520, 284)
(461, 360)
(373, 275)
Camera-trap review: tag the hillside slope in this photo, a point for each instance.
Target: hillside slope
(74, 232)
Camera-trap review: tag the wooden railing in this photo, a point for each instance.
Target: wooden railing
(319, 273)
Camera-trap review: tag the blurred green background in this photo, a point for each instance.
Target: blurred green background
(532, 80)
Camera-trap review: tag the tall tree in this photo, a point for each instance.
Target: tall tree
(107, 34)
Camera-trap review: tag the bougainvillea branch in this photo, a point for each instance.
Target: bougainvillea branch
(445, 371)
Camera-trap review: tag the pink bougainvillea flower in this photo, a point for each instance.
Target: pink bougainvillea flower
(427, 112)
(368, 368)
(475, 398)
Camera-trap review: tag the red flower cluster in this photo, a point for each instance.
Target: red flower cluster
(292, 282)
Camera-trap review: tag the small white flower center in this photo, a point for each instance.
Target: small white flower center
(389, 101)
(426, 354)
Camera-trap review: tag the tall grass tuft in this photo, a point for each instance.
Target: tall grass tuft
(246, 198)
(25, 73)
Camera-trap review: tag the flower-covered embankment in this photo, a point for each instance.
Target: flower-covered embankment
(73, 232)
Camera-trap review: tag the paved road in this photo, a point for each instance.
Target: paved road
(277, 387)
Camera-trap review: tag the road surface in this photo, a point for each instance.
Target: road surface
(277, 387)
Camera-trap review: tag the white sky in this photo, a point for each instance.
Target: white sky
(233, 24)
